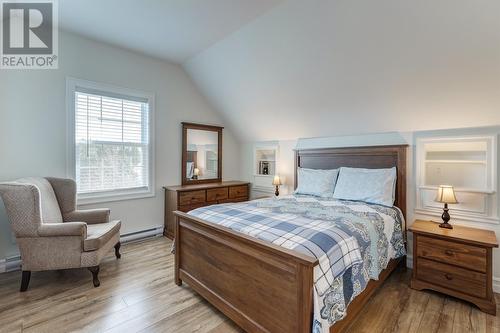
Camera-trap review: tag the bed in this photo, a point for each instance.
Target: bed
(262, 286)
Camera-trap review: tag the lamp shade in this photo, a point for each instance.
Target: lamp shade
(446, 194)
(196, 171)
(276, 180)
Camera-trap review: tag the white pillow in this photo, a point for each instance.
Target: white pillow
(316, 182)
(376, 186)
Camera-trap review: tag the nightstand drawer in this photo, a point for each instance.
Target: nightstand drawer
(459, 254)
(451, 277)
(192, 197)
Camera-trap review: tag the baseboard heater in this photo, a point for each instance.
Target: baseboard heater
(10, 264)
(138, 235)
(14, 263)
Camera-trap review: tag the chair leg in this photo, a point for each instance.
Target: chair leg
(117, 250)
(95, 278)
(25, 280)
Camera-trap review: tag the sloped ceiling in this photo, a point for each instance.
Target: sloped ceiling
(334, 67)
(173, 30)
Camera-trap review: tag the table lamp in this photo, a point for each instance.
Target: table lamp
(196, 173)
(446, 195)
(277, 183)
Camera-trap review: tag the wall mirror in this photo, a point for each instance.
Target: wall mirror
(201, 153)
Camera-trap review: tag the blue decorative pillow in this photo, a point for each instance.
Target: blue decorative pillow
(376, 186)
(320, 183)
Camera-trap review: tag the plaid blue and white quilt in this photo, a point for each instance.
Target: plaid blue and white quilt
(353, 241)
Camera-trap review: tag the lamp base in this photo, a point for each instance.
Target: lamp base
(445, 225)
(446, 217)
(277, 192)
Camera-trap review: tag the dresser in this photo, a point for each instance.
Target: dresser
(456, 262)
(188, 197)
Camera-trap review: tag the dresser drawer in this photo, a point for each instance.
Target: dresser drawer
(217, 194)
(192, 197)
(234, 200)
(238, 191)
(187, 208)
(452, 277)
(459, 254)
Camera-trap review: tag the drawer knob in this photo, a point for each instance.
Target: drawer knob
(448, 276)
(448, 252)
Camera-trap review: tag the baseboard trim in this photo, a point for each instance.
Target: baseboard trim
(496, 284)
(409, 261)
(14, 263)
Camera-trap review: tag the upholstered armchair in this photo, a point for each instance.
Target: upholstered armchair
(51, 233)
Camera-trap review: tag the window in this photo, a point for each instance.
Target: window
(111, 144)
(211, 162)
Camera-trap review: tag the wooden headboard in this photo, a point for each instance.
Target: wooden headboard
(358, 157)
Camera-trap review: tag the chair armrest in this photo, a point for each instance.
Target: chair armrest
(90, 216)
(63, 229)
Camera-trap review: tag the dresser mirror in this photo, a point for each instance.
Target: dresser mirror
(201, 153)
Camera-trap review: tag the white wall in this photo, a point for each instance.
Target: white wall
(286, 168)
(33, 122)
(335, 67)
(345, 67)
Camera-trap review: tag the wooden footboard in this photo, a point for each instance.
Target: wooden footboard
(260, 286)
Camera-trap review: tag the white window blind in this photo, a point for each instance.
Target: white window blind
(112, 142)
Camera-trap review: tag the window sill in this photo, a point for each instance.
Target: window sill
(94, 198)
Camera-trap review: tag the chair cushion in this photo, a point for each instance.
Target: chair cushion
(99, 234)
(51, 213)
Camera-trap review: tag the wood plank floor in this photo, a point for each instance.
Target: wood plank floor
(137, 294)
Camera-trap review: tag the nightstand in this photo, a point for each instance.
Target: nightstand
(456, 262)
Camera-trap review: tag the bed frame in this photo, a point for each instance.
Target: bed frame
(263, 287)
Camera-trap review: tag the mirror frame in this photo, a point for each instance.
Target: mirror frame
(218, 129)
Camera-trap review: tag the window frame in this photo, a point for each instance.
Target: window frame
(114, 195)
